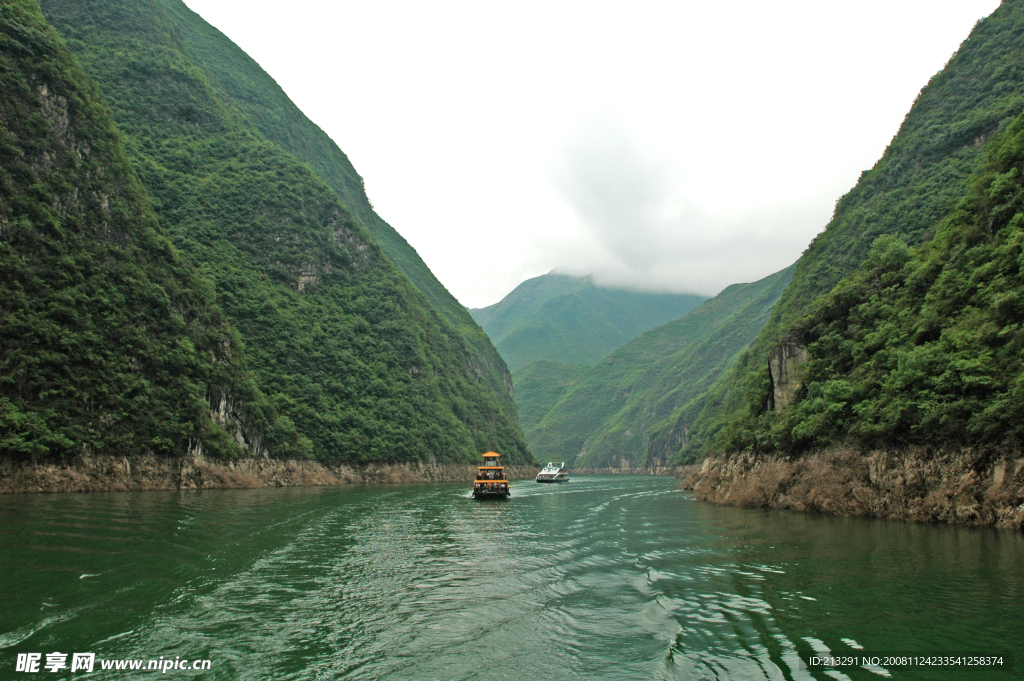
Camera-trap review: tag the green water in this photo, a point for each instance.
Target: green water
(604, 578)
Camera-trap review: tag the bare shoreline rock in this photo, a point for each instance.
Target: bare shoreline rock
(964, 487)
(150, 473)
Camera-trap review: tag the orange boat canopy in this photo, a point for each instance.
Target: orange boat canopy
(491, 455)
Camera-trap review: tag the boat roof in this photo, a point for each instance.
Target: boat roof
(555, 465)
(490, 455)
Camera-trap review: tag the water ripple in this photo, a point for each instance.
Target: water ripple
(605, 578)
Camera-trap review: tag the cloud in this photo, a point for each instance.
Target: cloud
(720, 134)
(641, 225)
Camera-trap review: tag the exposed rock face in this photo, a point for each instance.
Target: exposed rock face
(961, 486)
(784, 363)
(147, 473)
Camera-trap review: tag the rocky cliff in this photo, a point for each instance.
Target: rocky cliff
(960, 486)
(784, 364)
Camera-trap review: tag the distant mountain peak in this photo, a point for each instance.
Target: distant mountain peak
(568, 318)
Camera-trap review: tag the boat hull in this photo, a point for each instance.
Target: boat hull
(491, 495)
(491, 490)
(553, 481)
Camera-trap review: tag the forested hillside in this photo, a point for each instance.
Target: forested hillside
(569, 320)
(631, 408)
(539, 385)
(908, 193)
(109, 341)
(921, 346)
(242, 84)
(343, 345)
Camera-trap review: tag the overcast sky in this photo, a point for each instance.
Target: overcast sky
(679, 146)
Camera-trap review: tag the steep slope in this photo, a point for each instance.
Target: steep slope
(109, 342)
(631, 409)
(243, 85)
(341, 342)
(909, 191)
(539, 386)
(923, 346)
(570, 320)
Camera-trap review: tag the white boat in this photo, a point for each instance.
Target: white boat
(553, 472)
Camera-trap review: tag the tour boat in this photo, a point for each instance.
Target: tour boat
(490, 480)
(553, 472)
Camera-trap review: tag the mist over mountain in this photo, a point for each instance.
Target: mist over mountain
(642, 232)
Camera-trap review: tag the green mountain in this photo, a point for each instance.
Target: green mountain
(624, 411)
(914, 186)
(921, 346)
(538, 387)
(570, 320)
(244, 86)
(111, 342)
(337, 337)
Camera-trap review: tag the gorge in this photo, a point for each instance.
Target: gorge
(302, 327)
(240, 416)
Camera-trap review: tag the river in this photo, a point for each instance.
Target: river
(607, 577)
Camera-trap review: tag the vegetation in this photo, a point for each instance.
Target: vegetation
(921, 346)
(244, 86)
(570, 320)
(908, 193)
(355, 363)
(109, 341)
(538, 387)
(633, 408)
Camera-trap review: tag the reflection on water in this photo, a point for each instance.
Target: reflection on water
(604, 578)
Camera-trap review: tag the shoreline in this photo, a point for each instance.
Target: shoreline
(150, 473)
(962, 487)
(653, 470)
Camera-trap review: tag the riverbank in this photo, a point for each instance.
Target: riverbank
(149, 473)
(960, 487)
(653, 470)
